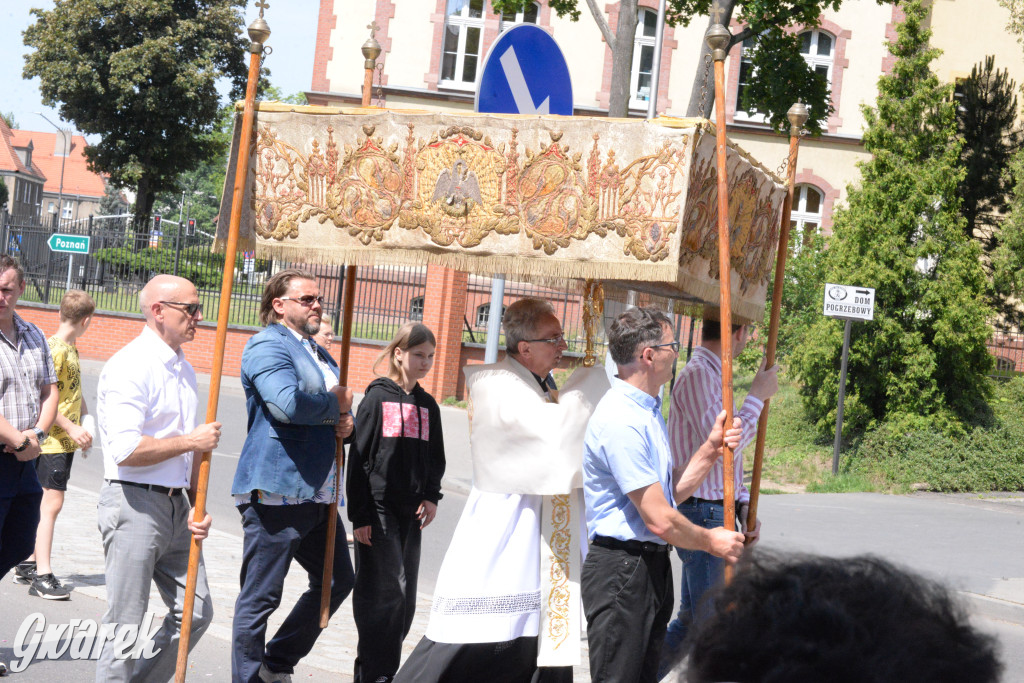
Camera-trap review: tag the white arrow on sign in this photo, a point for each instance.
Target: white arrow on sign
(517, 84)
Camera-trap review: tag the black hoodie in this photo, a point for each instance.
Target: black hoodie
(397, 457)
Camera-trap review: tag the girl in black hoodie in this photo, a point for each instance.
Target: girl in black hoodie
(393, 486)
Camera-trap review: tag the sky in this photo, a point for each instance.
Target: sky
(292, 37)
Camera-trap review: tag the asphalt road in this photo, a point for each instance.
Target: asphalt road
(970, 542)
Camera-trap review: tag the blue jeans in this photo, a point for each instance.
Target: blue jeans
(701, 572)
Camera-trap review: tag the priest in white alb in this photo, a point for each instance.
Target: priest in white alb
(507, 600)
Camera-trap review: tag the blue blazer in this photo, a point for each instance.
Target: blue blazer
(290, 445)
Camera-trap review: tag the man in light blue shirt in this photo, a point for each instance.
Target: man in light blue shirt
(630, 490)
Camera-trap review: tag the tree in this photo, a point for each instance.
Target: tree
(923, 357)
(8, 117)
(201, 188)
(142, 75)
(3, 193)
(1008, 256)
(112, 204)
(780, 76)
(986, 119)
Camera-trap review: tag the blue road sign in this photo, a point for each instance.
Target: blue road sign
(525, 73)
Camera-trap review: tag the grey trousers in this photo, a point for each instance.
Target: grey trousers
(146, 541)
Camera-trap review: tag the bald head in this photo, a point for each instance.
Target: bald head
(172, 309)
(163, 288)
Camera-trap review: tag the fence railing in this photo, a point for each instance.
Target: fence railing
(120, 261)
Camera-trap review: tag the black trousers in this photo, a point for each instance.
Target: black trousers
(384, 597)
(627, 600)
(274, 535)
(19, 518)
(513, 661)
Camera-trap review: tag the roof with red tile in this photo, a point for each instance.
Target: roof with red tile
(78, 179)
(9, 160)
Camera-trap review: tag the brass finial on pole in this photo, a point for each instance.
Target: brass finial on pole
(371, 50)
(797, 115)
(259, 32)
(718, 38)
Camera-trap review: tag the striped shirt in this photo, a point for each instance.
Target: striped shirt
(25, 368)
(696, 402)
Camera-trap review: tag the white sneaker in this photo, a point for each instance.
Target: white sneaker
(268, 676)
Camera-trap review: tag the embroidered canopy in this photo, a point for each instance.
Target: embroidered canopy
(538, 198)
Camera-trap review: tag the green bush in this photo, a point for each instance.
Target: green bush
(912, 452)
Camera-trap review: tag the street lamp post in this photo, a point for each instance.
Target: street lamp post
(60, 192)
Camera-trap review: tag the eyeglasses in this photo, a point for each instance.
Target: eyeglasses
(553, 340)
(674, 345)
(190, 309)
(306, 301)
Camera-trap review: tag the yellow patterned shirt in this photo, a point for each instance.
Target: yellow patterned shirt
(69, 386)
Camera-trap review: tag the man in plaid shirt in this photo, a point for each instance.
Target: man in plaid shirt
(696, 401)
(28, 406)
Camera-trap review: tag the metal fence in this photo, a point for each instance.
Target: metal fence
(120, 261)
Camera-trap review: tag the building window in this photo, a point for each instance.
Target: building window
(483, 314)
(817, 49)
(463, 31)
(416, 308)
(805, 219)
(52, 208)
(643, 59)
(67, 210)
(510, 19)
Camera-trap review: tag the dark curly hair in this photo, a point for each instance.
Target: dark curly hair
(860, 619)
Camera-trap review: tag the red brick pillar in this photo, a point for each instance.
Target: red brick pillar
(444, 308)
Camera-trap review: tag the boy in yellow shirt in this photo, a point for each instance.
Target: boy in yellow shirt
(58, 451)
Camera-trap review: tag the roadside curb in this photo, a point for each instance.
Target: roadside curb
(995, 608)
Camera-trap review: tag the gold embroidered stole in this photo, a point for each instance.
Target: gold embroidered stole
(560, 602)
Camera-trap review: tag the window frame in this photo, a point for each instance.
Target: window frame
(415, 303)
(812, 58)
(641, 41)
(464, 23)
(800, 217)
(520, 18)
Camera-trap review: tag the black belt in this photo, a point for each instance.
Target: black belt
(631, 546)
(166, 490)
(693, 500)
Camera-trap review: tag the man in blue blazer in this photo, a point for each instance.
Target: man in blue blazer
(286, 478)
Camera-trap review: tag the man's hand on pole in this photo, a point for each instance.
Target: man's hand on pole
(766, 381)
(200, 530)
(205, 437)
(725, 544)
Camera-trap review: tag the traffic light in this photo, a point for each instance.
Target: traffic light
(190, 227)
(156, 223)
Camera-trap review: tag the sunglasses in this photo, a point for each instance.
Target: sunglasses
(190, 309)
(306, 301)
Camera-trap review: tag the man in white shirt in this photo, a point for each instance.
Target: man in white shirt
(147, 414)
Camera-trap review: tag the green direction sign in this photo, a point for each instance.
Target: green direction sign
(72, 244)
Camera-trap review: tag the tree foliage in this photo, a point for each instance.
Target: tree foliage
(781, 75)
(142, 75)
(986, 119)
(8, 117)
(924, 355)
(3, 193)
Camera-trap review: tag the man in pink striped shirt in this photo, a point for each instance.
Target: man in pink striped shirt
(696, 402)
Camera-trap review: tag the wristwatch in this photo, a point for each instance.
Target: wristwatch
(23, 446)
(41, 436)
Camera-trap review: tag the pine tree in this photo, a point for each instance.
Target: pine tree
(923, 356)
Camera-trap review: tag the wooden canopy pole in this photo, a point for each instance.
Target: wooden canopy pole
(371, 50)
(717, 38)
(259, 31)
(797, 118)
